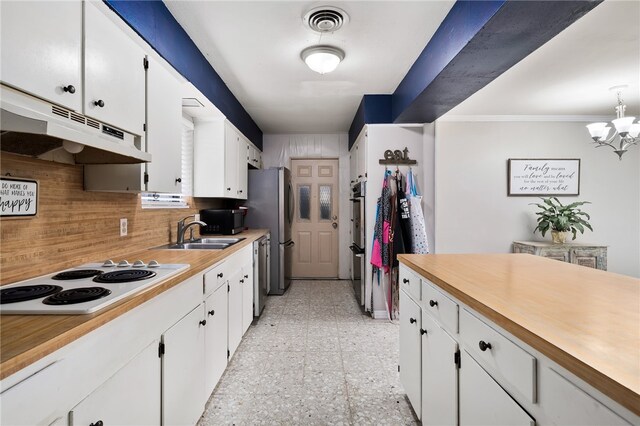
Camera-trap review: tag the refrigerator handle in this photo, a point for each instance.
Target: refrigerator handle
(291, 204)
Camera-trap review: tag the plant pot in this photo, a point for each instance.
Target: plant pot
(558, 237)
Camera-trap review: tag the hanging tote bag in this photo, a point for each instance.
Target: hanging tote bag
(419, 242)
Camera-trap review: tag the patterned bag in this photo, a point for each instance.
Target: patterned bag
(419, 242)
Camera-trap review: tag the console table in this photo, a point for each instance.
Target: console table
(590, 255)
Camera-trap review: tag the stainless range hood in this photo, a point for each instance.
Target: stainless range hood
(31, 126)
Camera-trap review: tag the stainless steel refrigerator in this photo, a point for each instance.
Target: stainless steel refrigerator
(270, 201)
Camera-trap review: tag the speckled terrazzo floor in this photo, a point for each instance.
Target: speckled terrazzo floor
(313, 359)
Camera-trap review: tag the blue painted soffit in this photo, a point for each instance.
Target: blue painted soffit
(475, 43)
(373, 109)
(155, 24)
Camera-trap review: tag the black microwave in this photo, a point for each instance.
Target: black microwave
(225, 222)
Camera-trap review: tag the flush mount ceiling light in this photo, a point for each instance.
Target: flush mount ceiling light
(625, 130)
(322, 59)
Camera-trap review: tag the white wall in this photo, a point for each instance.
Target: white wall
(278, 149)
(474, 214)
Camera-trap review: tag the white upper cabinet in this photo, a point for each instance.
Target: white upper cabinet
(41, 43)
(220, 165)
(114, 74)
(361, 153)
(164, 129)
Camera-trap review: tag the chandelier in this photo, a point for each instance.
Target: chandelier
(625, 131)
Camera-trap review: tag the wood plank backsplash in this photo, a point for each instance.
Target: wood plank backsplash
(74, 226)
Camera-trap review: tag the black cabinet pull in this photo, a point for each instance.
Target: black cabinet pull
(240, 191)
(178, 180)
(99, 103)
(69, 89)
(359, 176)
(433, 303)
(212, 312)
(220, 275)
(423, 331)
(203, 322)
(484, 345)
(242, 281)
(246, 276)
(412, 320)
(405, 280)
(228, 189)
(98, 423)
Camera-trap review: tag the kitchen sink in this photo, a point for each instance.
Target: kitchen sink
(204, 244)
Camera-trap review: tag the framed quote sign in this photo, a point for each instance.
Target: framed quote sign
(18, 197)
(546, 176)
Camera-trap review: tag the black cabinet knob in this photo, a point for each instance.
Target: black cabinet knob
(423, 331)
(99, 103)
(484, 345)
(433, 303)
(98, 423)
(412, 320)
(212, 312)
(203, 322)
(405, 280)
(178, 180)
(246, 276)
(359, 176)
(228, 189)
(220, 275)
(240, 192)
(242, 281)
(69, 89)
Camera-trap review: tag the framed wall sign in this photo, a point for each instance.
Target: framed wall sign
(18, 197)
(543, 176)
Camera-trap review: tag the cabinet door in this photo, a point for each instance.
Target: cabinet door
(231, 142)
(131, 396)
(362, 159)
(164, 129)
(183, 392)
(114, 74)
(215, 338)
(483, 401)
(410, 357)
(439, 375)
(353, 163)
(235, 311)
(41, 44)
(209, 142)
(247, 295)
(242, 169)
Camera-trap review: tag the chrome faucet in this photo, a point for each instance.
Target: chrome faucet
(182, 227)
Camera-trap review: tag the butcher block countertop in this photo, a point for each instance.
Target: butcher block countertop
(586, 320)
(24, 339)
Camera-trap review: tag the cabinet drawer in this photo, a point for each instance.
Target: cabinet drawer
(567, 404)
(214, 278)
(483, 401)
(439, 306)
(410, 282)
(499, 354)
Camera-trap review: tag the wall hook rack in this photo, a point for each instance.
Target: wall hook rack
(397, 157)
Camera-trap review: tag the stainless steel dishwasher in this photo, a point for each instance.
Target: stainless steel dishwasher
(261, 273)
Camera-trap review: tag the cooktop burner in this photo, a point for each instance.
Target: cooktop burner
(76, 274)
(27, 292)
(124, 276)
(76, 295)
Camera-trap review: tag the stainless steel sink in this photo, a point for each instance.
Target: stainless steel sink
(204, 244)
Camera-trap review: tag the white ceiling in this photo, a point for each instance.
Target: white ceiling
(255, 47)
(570, 75)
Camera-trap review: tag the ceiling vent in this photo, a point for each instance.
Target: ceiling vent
(326, 19)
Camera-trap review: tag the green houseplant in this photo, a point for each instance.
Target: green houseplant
(560, 219)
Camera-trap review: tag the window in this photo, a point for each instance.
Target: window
(325, 202)
(305, 201)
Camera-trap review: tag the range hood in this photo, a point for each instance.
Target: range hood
(31, 126)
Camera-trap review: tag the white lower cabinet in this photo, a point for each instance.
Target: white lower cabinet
(215, 337)
(439, 375)
(483, 401)
(410, 343)
(183, 384)
(131, 396)
(235, 311)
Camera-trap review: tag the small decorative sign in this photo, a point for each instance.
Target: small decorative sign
(18, 197)
(544, 177)
(397, 157)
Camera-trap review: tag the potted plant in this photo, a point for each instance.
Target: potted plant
(560, 219)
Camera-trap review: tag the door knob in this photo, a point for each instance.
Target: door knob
(69, 89)
(99, 103)
(334, 218)
(335, 225)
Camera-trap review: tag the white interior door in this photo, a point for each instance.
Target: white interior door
(315, 219)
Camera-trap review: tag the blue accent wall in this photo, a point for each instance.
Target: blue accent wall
(155, 24)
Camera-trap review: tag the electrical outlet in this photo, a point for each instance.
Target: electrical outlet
(123, 227)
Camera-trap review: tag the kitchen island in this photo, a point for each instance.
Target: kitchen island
(542, 316)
